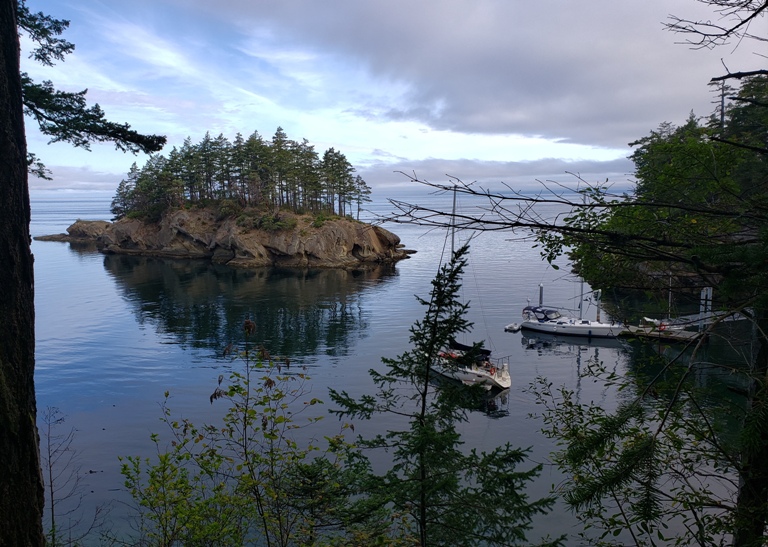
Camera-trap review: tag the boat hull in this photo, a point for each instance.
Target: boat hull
(587, 329)
(487, 378)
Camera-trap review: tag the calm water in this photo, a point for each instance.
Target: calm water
(114, 333)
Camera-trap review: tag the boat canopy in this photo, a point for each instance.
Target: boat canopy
(481, 353)
(541, 314)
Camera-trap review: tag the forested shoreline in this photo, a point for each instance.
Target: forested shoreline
(679, 457)
(274, 174)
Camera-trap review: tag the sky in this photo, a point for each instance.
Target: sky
(493, 91)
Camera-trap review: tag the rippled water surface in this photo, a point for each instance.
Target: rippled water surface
(114, 333)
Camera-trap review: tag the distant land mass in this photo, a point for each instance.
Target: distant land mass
(284, 239)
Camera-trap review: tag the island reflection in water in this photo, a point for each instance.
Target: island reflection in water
(297, 313)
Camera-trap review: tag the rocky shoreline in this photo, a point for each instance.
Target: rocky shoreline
(201, 234)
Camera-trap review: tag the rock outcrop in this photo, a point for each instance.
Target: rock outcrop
(198, 233)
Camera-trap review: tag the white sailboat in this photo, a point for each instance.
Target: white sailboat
(455, 362)
(480, 370)
(552, 321)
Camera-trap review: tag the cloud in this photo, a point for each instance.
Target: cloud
(598, 73)
(481, 84)
(78, 179)
(498, 175)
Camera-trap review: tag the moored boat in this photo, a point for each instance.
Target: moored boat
(550, 320)
(472, 366)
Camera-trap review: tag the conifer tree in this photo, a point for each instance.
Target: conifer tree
(447, 495)
(64, 117)
(696, 219)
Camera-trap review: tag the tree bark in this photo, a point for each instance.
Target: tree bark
(751, 515)
(21, 487)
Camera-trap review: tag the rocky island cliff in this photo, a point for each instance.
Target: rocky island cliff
(298, 241)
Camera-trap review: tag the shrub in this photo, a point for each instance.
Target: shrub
(275, 223)
(248, 480)
(228, 208)
(319, 220)
(246, 221)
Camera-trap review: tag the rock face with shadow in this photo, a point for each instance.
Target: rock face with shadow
(199, 233)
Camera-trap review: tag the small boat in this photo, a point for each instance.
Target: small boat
(456, 364)
(550, 320)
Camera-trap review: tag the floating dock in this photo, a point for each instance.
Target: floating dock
(655, 333)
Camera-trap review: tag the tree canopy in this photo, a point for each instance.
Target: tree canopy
(697, 217)
(65, 116)
(254, 172)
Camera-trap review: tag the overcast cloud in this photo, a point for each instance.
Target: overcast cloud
(487, 90)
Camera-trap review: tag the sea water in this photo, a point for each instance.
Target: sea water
(114, 333)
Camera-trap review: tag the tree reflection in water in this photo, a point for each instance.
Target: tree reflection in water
(297, 312)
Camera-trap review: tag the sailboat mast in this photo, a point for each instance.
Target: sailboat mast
(453, 221)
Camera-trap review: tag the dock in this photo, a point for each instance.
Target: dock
(654, 333)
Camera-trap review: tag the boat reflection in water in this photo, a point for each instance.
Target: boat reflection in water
(496, 403)
(587, 356)
(546, 341)
(492, 402)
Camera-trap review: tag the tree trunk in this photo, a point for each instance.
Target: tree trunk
(752, 502)
(21, 487)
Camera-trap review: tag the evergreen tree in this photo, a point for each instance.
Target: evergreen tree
(336, 174)
(190, 173)
(64, 117)
(255, 172)
(449, 496)
(307, 185)
(125, 198)
(697, 219)
(280, 164)
(239, 169)
(362, 193)
(259, 174)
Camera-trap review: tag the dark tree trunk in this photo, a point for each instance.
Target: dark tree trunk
(21, 487)
(752, 502)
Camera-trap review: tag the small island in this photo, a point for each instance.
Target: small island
(247, 203)
(287, 240)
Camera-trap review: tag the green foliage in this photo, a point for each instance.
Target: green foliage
(276, 223)
(319, 220)
(147, 193)
(246, 221)
(228, 208)
(697, 215)
(338, 182)
(447, 495)
(44, 31)
(659, 468)
(696, 219)
(64, 116)
(268, 222)
(249, 479)
(362, 193)
(270, 175)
